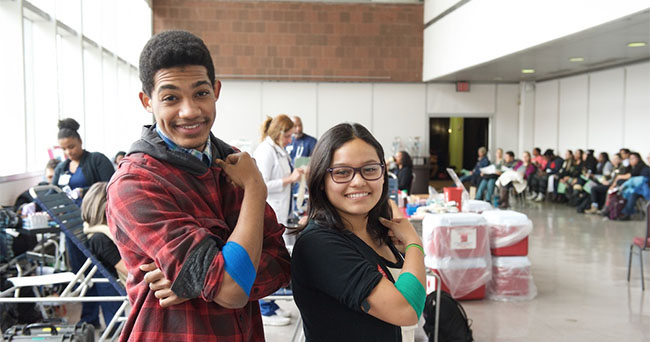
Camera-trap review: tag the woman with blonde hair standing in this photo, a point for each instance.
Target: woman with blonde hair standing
(278, 173)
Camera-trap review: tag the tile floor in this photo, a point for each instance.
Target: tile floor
(580, 269)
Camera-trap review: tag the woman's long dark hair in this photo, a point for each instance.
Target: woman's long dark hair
(321, 210)
(406, 159)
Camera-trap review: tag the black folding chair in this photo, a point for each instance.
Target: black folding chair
(68, 216)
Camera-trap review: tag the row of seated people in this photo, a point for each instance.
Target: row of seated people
(579, 179)
(507, 173)
(612, 188)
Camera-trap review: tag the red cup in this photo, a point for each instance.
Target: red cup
(454, 194)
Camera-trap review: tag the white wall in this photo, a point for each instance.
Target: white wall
(506, 123)
(388, 110)
(545, 122)
(483, 30)
(603, 110)
(399, 111)
(573, 114)
(340, 102)
(637, 107)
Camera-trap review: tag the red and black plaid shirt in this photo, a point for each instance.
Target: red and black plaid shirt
(159, 213)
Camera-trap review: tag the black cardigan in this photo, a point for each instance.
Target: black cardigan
(95, 166)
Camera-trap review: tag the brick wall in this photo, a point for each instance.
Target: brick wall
(303, 40)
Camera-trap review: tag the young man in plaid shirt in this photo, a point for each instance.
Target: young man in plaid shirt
(189, 213)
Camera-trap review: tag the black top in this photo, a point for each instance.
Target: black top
(404, 178)
(105, 251)
(95, 166)
(639, 170)
(332, 274)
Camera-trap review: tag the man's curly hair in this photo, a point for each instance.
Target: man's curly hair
(170, 49)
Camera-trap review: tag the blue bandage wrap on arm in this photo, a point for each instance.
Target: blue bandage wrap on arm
(239, 265)
(412, 290)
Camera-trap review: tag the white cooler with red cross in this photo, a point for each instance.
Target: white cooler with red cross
(457, 248)
(508, 231)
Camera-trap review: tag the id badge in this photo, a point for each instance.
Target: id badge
(64, 180)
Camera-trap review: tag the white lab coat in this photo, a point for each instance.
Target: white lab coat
(273, 162)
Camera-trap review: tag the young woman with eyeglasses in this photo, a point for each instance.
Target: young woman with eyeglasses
(357, 274)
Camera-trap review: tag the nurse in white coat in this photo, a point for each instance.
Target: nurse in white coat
(274, 164)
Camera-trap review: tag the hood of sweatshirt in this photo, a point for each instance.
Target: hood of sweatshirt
(152, 144)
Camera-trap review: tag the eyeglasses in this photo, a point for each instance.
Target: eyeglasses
(345, 174)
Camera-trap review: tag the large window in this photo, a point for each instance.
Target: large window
(69, 58)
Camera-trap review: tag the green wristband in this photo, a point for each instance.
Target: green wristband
(412, 290)
(414, 245)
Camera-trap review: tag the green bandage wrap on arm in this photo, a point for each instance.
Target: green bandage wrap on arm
(412, 290)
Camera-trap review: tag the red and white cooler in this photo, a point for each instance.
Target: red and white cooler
(512, 280)
(456, 236)
(508, 231)
(464, 279)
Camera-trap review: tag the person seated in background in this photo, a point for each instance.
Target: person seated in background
(625, 156)
(599, 192)
(604, 166)
(25, 198)
(554, 180)
(118, 158)
(538, 159)
(517, 177)
(474, 176)
(404, 171)
(570, 176)
(102, 244)
(486, 186)
(539, 181)
(590, 162)
(637, 185)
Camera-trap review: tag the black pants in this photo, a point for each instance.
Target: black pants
(538, 183)
(599, 195)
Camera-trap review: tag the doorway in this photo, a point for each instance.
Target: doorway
(453, 142)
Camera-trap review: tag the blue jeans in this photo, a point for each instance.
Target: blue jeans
(268, 307)
(486, 186)
(630, 205)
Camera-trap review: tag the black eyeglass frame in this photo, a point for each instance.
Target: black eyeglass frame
(355, 170)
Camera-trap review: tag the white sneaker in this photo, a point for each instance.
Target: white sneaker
(283, 313)
(539, 198)
(531, 196)
(275, 320)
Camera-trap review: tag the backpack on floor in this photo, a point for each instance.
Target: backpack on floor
(453, 326)
(577, 197)
(616, 205)
(584, 205)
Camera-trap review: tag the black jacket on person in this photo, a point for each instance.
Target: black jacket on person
(404, 178)
(95, 166)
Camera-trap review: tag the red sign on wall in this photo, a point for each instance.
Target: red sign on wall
(462, 87)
